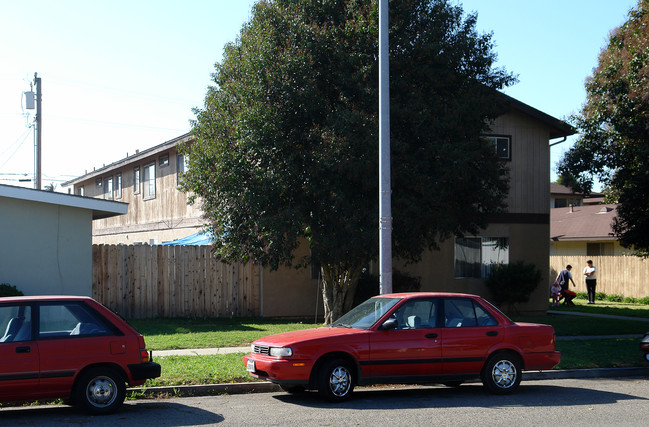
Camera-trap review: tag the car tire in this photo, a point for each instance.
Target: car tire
(336, 380)
(100, 391)
(502, 373)
(293, 389)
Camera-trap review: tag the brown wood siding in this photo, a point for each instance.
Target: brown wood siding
(169, 209)
(529, 165)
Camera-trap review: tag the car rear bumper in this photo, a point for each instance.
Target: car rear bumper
(144, 371)
(542, 361)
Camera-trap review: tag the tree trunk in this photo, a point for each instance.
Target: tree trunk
(339, 284)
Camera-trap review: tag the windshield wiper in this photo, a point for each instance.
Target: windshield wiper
(341, 325)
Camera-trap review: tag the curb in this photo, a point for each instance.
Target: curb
(268, 387)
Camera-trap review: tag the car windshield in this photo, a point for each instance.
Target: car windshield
(366, 314)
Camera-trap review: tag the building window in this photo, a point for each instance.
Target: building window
(98, 182)
(474, 256)
(108, 189)
(164, 160)
(149, 181)
(81, 191)
(599, 249)
(118, 186)
(502, 144)
(181, 164)
(136, 180)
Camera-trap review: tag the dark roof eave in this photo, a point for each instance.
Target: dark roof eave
(558, 128)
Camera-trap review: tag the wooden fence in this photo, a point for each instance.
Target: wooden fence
(173, 281)
(621, 275)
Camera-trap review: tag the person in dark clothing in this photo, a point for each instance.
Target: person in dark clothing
(564, 278)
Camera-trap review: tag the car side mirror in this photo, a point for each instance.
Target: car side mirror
(389, 324)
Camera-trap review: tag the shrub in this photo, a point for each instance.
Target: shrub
(6, 290)
(513, 283)
(644, 300)
(615, 298)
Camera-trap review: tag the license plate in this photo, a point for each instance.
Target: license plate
(250, 366)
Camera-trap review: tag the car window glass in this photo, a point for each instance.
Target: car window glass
(367, 313)
(15, 323)
(459, 313)
(417, 314)
(57, 320)
(484, 318)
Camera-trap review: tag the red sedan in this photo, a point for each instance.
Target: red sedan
(72, 348)
(408, 338)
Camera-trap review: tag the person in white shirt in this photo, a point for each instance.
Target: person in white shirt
(591, 281)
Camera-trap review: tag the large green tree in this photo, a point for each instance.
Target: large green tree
(286, 146)
(614, 129)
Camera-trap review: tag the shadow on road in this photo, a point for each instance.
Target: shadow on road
(162, 412)
(467, 395)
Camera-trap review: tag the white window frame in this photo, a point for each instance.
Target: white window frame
(108, 187)
(137, 180)
(118, 186)
(148, 181)
(503, 152)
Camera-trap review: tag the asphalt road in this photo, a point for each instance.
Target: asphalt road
(558, 402)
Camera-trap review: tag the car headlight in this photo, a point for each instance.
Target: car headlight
(281, 351)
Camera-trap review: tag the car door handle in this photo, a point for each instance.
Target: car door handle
(433, 335)
(492, 333)
(25, 349)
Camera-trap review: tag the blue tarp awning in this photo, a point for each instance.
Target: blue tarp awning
(196, 239)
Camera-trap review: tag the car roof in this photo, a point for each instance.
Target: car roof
(427, 294)
(41, 298)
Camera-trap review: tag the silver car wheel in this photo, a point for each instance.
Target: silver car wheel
(340, 381)
(101, 391)
(504, 374)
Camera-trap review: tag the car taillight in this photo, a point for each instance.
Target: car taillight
(145, 357)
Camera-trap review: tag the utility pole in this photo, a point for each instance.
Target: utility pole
(385, 190)
(39, 121)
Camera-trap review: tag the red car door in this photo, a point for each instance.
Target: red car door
(469, 333)
(18, 354)
(414, 348)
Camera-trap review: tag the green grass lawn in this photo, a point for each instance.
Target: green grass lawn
(169, 333)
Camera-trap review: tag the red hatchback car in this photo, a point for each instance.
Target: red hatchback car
(406, 338)
(72, 348)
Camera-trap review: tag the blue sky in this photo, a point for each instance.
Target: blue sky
(124, 75)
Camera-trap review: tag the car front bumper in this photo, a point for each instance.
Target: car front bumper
(277, 370)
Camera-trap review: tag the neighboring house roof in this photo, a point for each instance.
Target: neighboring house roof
(593, 222)
(558, 189)
(125, 161)
(100, 208)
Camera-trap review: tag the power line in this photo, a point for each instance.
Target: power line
(24, 137)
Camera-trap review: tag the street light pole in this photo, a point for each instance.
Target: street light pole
(385, 193)
(39, 121)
